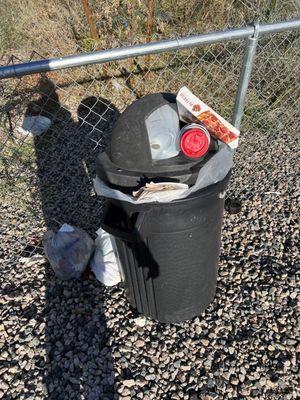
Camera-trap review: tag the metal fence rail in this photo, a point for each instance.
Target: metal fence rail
(252, 33)
(46, 180)
(123, 53)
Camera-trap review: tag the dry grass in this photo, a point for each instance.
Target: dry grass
(59, 27)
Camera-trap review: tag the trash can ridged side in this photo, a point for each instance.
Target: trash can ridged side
(169, 252)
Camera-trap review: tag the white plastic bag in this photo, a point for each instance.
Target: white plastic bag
(105, 263)
(68, 251)
(34, 125)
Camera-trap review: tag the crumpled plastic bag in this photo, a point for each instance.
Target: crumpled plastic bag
(34, 125)
(105, 263)
(68, 251)
(216, 168)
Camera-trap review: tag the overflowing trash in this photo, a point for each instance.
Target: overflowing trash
(105, 262)
(68, 251)
(71, 249)
(216, 168)
(164, 177)
(191, 147)
(181, 130)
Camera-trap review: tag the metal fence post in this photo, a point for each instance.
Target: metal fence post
(240, 99)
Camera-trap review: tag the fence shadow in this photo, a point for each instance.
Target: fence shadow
(78, 360)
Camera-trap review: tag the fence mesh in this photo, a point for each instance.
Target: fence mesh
(269, 141)
(47, 180)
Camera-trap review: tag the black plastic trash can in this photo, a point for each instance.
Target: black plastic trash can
(169, 251)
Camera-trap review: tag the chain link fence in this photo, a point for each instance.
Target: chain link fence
(47, 180)
(63, 340)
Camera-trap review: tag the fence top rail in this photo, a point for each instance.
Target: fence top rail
(121, 53)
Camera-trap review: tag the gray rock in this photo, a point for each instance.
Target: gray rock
(129, 383)
(150, 377)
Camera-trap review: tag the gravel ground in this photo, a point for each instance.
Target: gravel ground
(79, 340)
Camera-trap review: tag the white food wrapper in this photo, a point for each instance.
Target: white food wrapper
(192, 109)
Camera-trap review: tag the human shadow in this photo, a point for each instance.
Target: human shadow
(78, 361)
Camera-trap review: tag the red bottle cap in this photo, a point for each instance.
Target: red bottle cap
(194, 143)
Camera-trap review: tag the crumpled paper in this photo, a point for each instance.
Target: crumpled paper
(159, 191)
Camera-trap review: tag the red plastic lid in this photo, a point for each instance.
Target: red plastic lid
(194, 143)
